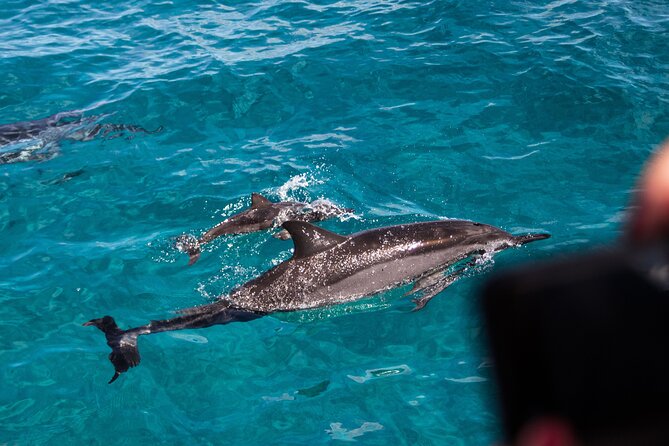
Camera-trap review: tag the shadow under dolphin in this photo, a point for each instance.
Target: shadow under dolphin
(263, 214)
(328, 269)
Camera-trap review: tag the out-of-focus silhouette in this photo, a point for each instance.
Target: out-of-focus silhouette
(580, 342)
(649, 216)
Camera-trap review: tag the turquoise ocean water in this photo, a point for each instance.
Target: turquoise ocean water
(531, 116)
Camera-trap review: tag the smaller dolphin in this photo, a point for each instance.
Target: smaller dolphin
(263, 214)
(329, 269)
(38, 140)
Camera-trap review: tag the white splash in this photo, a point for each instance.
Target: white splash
(301, 181)
(331, 209)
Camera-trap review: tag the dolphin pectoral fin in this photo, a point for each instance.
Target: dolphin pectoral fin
(282, 235)
(434, 288)
(425, 282)
(430, 286)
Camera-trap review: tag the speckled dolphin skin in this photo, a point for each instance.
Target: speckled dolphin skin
(328, 269)
(263, 214)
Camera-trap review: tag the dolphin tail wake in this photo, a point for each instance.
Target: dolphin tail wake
(123, 343)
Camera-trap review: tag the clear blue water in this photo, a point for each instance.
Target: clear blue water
(524, 115)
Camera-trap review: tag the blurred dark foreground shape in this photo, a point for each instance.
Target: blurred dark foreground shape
(580, 344)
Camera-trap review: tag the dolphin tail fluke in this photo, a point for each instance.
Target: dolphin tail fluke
(123, 343)
(194, 256)
(523, 239)
(190, 245)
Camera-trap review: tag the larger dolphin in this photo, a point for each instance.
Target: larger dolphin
(328, 269)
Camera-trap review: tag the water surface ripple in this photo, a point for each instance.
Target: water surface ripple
(531, 116)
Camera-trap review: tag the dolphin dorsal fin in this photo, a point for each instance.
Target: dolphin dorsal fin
(310, 239)
(258, 200)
